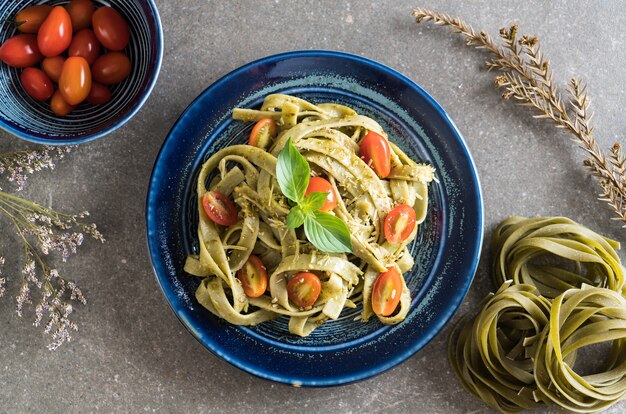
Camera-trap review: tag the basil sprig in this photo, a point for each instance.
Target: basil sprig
(325, 231)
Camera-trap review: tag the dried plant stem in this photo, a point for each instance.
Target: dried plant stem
(527, 78)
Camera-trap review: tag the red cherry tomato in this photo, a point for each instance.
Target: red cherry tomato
(321, 185)
(374, 150)
(85, 44)
(303, 289)
(110, 28)
(262, 133)
(30, 19)
(53, 66)
(219, 208)
(99, 94)
(36, 84)
(81, 12)
(55, 33)
(386, 292)
(253, 277)
(111, 68)
(59, 106)
(20, 51)
(399, 223)
(75, 80)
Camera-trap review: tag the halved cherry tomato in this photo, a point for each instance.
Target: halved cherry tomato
(110, 28)
(111, 68)
(219, 208)
(399, 223)
(36, 84)
(319, 184)
(81, 12)
(75, 80)
(253, 277)
(53, 66)
(99, 94)
(85, 44)
(20, 51)
(386, 292)
(59, 106)
(29, 20)
(261, 134)
(303, 289)
(374, 150)
(55, 33)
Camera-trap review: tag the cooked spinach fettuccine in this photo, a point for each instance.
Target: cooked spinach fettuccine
(267, 248)
(562, 290)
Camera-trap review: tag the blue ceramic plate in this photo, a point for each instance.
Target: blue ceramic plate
(446, 250)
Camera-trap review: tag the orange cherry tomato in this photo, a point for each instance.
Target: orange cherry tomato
(29, 20)
(55, 33)
(81, 12)
(36, 84)
(75, 80)
(59, 106)
(303, 289)
(262, 133)
(20, 51)
(399, 223)
(53, 66)
(85, 44)
(111, 68)
(386, 292)
(219, 208)
(321, 185)
(253, 277)
(374, 150)
(99, 94)
(110, 28)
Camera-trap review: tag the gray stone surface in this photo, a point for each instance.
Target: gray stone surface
(132, 355)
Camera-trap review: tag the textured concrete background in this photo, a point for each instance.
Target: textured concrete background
(132, 355)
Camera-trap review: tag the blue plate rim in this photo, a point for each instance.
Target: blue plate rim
(117, 124)
(441, 320)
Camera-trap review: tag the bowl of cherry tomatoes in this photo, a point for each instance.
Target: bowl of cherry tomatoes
(75, 70)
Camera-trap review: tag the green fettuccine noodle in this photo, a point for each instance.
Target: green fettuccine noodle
(328, 136)
(562, 288)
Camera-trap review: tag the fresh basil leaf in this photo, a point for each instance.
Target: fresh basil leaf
(292, 172)
(327, 232)
(313, 201)
(295, 218)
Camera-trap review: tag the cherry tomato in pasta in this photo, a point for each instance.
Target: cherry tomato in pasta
(29, 20)
(322, 185)
(253, 277)
(219, 208)
(262, 133)
(399, 223)
(36, 84)
(303, 289)
(375, 151)
(55, 33)
(386, 292)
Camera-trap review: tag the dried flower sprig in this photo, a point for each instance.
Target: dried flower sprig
(19, 164)
(43, 230)
(527, 78)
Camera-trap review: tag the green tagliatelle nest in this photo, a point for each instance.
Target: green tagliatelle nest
(519, 351)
